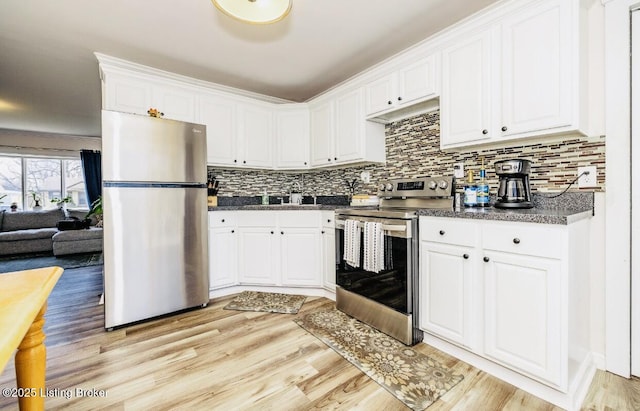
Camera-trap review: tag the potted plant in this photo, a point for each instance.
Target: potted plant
(36, 201)
(62, 202)
(96, 210)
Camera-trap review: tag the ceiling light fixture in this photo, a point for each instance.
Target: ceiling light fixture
(255, 11)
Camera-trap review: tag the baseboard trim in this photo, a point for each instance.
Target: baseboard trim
(308, 291)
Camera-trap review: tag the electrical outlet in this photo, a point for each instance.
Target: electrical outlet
(458, 170)
(588, 180)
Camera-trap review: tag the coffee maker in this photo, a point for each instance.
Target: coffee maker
(513, 189)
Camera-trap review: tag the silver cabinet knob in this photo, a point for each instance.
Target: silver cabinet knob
(443, 184)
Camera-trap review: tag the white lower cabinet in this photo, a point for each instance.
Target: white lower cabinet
(445, 289)
(328, 234)
(257, 258)
(523, 313)
(300, 257)
(515, 294)
(268, 248)
(223, 247)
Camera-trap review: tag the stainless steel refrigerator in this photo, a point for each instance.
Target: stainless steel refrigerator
(155, 217)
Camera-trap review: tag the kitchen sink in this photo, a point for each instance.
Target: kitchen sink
(295, 205)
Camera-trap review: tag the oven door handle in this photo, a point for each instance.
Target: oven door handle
(398, 228)
(394, 227)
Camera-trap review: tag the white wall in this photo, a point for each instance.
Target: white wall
(618, 185)
(597, 284)
(44, 144)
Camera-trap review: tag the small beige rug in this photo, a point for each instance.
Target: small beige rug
(268, 302)
(414, 378)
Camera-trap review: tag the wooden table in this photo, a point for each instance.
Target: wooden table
(23, 302)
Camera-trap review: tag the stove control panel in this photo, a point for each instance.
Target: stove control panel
(419, 187)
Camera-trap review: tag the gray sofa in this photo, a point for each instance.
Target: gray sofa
(24, 232)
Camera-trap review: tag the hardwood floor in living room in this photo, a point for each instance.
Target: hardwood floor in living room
(233, 360)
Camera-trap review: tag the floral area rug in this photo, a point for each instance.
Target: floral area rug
(414, 378)
(268, 302)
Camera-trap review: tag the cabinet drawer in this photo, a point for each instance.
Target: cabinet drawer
(541, 240)
(302, 218)
(264, 218)
(448, 231)
(328, 219)
(222, 218)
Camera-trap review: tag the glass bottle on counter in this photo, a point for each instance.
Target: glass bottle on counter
(470, 192)
(482, 190)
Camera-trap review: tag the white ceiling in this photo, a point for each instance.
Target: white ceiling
(49, 76)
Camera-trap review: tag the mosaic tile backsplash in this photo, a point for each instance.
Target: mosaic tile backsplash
(413, 150)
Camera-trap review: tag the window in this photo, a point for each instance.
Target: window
(30, 180)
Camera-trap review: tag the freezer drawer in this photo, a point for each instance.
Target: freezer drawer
(155, 252)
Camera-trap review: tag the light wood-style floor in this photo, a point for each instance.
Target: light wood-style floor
(216, 359)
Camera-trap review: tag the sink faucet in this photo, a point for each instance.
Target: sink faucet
(295, 189)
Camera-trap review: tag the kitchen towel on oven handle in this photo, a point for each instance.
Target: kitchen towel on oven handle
(352, 242)
(373, 247)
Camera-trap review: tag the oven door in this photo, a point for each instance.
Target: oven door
(392, 287)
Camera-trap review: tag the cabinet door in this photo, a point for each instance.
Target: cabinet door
(223, 263)
(300, 261)
(536, 79)
(219, 115)
(127, 94)
(256, 136)
(523, 315)
(322, 134)
(465, 111)
(175, 103)
(292, 138)
(446, 291)
(380, 94)
(349, 124)
(329, 257)
(417, 81)
(257, 253)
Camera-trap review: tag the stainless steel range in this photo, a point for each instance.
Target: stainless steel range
(387, 298)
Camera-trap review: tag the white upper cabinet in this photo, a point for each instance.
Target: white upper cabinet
(126, 94)
(219, 115)
(529, 73)
(176, 103)
(414, 82)
(341, 135)
(135, 95)
(322, 134)
(255, 131)
(349, 134)
(356, 139)
(538, 68)
(465, 103)
(292, 137)
(239, 134)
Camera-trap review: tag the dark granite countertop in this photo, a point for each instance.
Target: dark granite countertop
(548, 209)
(531, 215)
(280, 207)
